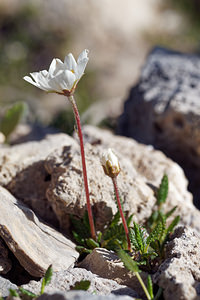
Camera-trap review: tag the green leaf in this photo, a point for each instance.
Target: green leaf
(80, 228)
(128, 262)
(86, 222)
(173, 224)
(139, 237)
(47, 278)
(81, 285)
(169, 213)
(82, 249)
(91, 243)
(115, 219)
(162, 190)
(150, 286)
(78, 239)
(128, 221)
(158, 294)
(12, 118)
(114, 232)
(14, 293)
(99, 236)
(26, 292)
(48, 275)
(133, 239)
(155, 234)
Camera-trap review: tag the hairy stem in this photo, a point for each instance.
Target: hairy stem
(78, 123)
(114, 179)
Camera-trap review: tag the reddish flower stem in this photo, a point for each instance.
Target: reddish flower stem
(114, 179)
(78, 123)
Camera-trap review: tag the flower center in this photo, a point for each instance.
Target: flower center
(72, 71)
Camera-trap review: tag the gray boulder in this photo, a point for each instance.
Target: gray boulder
(163, 109)
(179, 274)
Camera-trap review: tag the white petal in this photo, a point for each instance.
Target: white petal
(70, 62)
(55, 66)
(83, 55)
(55, 86)
(43, 80)
(30, 80)
(66, 80)
(81, 68)
(35, 76)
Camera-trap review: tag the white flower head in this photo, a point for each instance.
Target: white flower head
(62, 77)
(110, 163)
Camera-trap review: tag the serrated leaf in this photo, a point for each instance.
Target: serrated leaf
(133, 239)
(12, 118)
(139, 237)
(81, 285)
(155, 234)
(150, 286)
(13, 293)
(130, 264)
(169, 213)
(114, 232)
(26, 292)
(162, 190)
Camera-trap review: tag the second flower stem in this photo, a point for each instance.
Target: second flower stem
(114, 179)
(78, 123)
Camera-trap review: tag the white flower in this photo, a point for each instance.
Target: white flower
(110, 163)
(62, 77)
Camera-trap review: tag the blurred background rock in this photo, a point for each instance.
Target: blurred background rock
(119, 34)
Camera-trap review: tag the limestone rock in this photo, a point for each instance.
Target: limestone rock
(22, 172)
(150, 165)
(33, 243)
(63, 280)
(163, 109)
(66, 191)
(47, 176)
(179, 274)
(5, 285)
(81, 295)
(5, 262)
(106, 264)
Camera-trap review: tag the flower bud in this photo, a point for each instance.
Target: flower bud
(110, 163)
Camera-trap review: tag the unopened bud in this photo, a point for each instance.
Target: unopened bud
(110, 163)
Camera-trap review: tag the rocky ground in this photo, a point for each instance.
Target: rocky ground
(41, 182)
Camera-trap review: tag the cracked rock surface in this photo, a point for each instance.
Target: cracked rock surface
(34, 244)
(179, 274)
(163, 110)
(63, 280)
